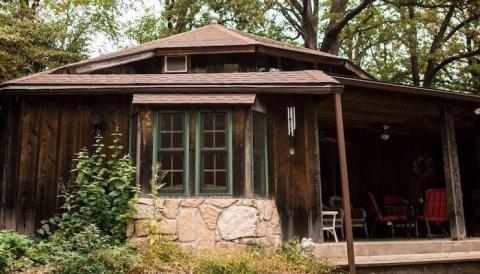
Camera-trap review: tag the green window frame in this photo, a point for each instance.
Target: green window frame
(259, 154)
(158, 149)
(202, 151)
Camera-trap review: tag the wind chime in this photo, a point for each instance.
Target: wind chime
(291, 127)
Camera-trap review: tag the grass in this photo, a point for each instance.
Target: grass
(167, 257)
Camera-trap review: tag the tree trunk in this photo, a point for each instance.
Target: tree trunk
(332, 40)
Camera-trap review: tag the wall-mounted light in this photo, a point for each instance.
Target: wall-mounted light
(385, 135)
(477, 111)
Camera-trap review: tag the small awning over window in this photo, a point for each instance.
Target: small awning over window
(204, 98)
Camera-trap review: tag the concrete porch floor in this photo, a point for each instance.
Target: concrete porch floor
(373, 254)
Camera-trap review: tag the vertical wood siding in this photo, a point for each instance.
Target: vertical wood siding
(294, 179)
(39, 136)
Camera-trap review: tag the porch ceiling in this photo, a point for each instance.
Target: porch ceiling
(366, 111)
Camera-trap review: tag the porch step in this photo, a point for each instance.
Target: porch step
(374, 254)
(396, 247)
(410, 259)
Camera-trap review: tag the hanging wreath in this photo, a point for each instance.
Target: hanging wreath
(423, 166)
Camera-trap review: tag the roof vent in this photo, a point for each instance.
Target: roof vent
(214, 17)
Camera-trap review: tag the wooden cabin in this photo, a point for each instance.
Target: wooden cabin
(238, 121)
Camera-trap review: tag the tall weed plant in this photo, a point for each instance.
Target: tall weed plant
(101, 194)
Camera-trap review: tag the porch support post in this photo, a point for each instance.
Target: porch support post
(452, 175)
(342, 155)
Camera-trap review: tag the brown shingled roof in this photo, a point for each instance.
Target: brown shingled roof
(245, 78)
(181, 99)
(212, 35)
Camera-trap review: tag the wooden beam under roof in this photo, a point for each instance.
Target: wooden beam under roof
(89, 67)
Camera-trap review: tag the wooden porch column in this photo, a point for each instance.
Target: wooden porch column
(452, 175)
(342, 155)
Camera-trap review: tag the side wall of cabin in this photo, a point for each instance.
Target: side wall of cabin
(39, 136)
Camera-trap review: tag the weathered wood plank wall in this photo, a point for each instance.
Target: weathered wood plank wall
(39, 136)
(294, 179)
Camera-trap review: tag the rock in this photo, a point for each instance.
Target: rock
(210, 215)
(145, 201)
(167, 227)
(170, 208)
(205, 236)
(238, 222)
(248, 202)
(276, 241)
(143, 211)
(186, 231)
(142, 227)
(192, 202)
(139, 242)
(273, 227)
(255, 241)
(222, 203)
(261, 229)
(265, 208)
(130, 229)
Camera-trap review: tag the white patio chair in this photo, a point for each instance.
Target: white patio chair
(329, 218)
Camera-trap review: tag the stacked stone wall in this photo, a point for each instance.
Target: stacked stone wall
(210, 223)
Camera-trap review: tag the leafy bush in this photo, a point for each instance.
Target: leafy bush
(101, 193)
(14, 249)
(89, 251)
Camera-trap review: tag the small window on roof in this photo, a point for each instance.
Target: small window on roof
(175, 64)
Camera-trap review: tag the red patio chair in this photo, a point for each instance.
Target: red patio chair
(435, 209)
(386, 214)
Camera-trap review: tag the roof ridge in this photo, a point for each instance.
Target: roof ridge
(139, 46)
(315, 74)
(235, 34)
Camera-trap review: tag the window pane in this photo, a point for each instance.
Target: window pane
(177, 163)
(177, 182)
(208, 139)
(219, 139)
(171, 149)
(220, 120)
(207, 121)
(221, 179)
(214, 152)
(165, 140)
(177, 140)
(208, 179)
(208, 160)
(258, 176)
(165, 122)
(220, 160)
(178, 121)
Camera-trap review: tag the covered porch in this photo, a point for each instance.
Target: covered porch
(400, 142)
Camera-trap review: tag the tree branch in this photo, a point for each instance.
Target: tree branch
(349, 16)
(455, 58)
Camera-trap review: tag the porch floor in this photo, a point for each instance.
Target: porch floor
(401, 252)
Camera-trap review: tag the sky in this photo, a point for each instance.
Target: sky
(101, 44)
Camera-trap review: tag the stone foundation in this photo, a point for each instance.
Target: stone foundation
(211, 223)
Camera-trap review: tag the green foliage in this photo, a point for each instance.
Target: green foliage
(288, 250)
(14, 249)
(89, 251)
(102, 194)
(40, 35)
(253, 16)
